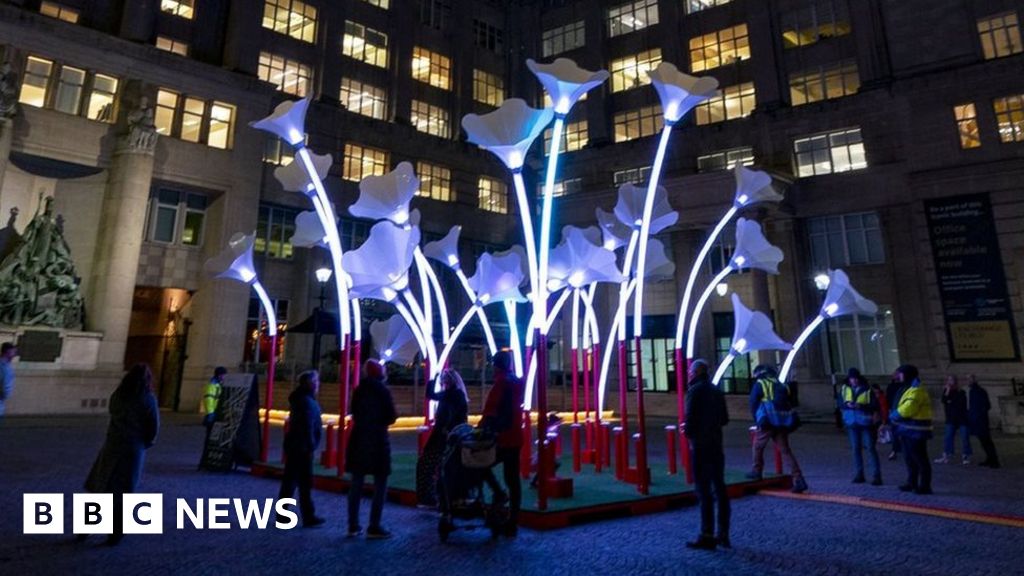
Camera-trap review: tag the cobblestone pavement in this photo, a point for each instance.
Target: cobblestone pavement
(770, 535)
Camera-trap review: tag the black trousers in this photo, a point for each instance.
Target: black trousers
(709, 483)
(298, 472)
(509, 460)
(919, 467)
(989, 447)
(427, 468)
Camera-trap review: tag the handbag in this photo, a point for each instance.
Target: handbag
(884, 434)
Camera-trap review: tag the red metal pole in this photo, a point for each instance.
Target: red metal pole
(641, 426)
(670, 442)
(542, 420)
(357, 361)
(329, 456)
(600, 440)
(682, 382)
(623, 401)
(576, 456)
(269, 401)
(343, 386)
(575, 366)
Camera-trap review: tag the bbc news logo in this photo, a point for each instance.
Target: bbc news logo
(144, 513)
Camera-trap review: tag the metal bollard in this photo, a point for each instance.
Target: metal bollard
(329, 456)
(605, 448)
(670, 443)
(620, 452)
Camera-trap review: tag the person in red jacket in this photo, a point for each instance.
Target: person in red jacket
(503, 414)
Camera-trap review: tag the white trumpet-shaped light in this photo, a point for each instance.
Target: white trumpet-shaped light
(507, 132)
(445, 250)
(752, 187)
(614, 233)
(842, 300)
(753, 250)
(565, 82)
(521, 257)
(680, 92)
(235, 261)
(393, 340)
(387, 197)
(753, 331)
(659, 266)
(286, 122)
(380, 267)
(294, 178)
(578, 261)
(630, 208)
(497, 278)
(309, 232)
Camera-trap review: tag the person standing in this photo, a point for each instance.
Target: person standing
(7, 353)
(369, 447)
(978, 406)
(300, 444)
(773, 414)
(706, 415)
(211, 396)
(503, 414)
(134, 424)
(954, 405)
(861, 418)
(892, 397)
(452, 410)
(912, 418)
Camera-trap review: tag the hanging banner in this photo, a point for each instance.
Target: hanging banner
(971, 279)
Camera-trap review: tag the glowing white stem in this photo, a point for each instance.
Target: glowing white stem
(788, 364)
(442, 307)
(554, 312)
(620, 319)
(417, 312)
(590, 316)
(329, 223)
(684, 306)
(531, 379)
(545, 216)
(357, 320)
(479, 313)
(645, 228)
(627, 268)
(574, 341)
(723, 367)
(414, 328)
(428, 308)
(455, 334)
(268, 307)
(513, 337)
(695, 319)
(530, 240)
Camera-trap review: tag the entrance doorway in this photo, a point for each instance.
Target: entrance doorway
(158, 336)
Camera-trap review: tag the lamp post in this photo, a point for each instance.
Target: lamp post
(821, 282)
(323, 275)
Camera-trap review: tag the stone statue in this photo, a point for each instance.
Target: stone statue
(38, 284)
(8, 91)
(142, 127)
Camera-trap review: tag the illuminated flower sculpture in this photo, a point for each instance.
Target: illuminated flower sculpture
(565, 82)
(445, 250)
(614, 233)
(387, 197)
(578, 262)
(630, 208)
(840, 300)
(507, 132)
(308, 231)
(379, 269)
(753, 332)
(235, 263)
(287, 122)
(294, 178)
(394, 341)
(680, 92)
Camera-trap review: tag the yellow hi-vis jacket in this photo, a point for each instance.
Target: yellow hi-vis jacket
(915, 412)
(211, 396)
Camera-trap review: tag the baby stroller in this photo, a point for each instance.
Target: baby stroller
(468, 456)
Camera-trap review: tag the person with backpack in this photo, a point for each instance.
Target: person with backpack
(775, 418)
(503, 415)
(861, 418)
(912, 419)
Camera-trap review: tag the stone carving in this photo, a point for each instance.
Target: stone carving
(141, 127)
(38, 284)
(8, 91)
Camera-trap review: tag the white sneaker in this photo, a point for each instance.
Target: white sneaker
(966, 461)
(943, 460)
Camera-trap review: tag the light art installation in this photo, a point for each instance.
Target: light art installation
(394, 341)
(753, 332)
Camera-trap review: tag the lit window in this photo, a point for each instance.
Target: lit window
(563, 187)
(726, 159)
(435, 13)
(846, 240)
(809, 24)
(824, 83)
(363, 98)
(633, 16)
(176, 218)
(166, 109)
(493, 195)
(183, 8)
(1000, 35)
(70, 84)
(488, 88)
(488, 36)
(429, 119)
(54, 10)
(192, 119)
(172, 45)
(574, 137)
(277, 152)
(101, 98)
(1010, 118)
(693, 6)
(274, 230)
(291, 18)
(868, 342)
(257, 339)
(563, 39)
(632, 175)
(435, 181)
(36, 81)
(220, 125)
(289, 76)
(731, 103)
(967, 125)
(362, 161)
(365, 44)
(382, 4)
(719, 48)
(431, 67)
(828, 153)
(631, 71)
(639, 123)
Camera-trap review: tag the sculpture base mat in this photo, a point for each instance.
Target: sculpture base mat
(595, 496)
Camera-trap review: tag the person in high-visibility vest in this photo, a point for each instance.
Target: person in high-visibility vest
(861, 417)
(912, 418)
(211, 395)
(773, 413)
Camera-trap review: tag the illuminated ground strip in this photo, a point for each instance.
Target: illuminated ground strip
(415, 423)
(982, 517)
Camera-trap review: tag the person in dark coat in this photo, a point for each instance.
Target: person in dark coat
(706, 415)
(300, 443)
(134, 424)
(452, 409)
(503, 413)
(369, 448)
(978, 406)
(954, 405)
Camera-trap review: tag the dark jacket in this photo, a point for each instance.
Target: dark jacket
(706, 414)
(134, 423)
(373, 410)
(955, 407)
(452, 410)
(503, 410)
(304, 423)
(978, 406)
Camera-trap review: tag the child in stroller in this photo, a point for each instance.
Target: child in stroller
(468, 458)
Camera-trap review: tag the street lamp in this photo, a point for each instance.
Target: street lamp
(323, 275)
(821, 282)
(722, 289)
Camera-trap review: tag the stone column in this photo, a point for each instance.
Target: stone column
(122, 221)
(6, 132)
(8, 108)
